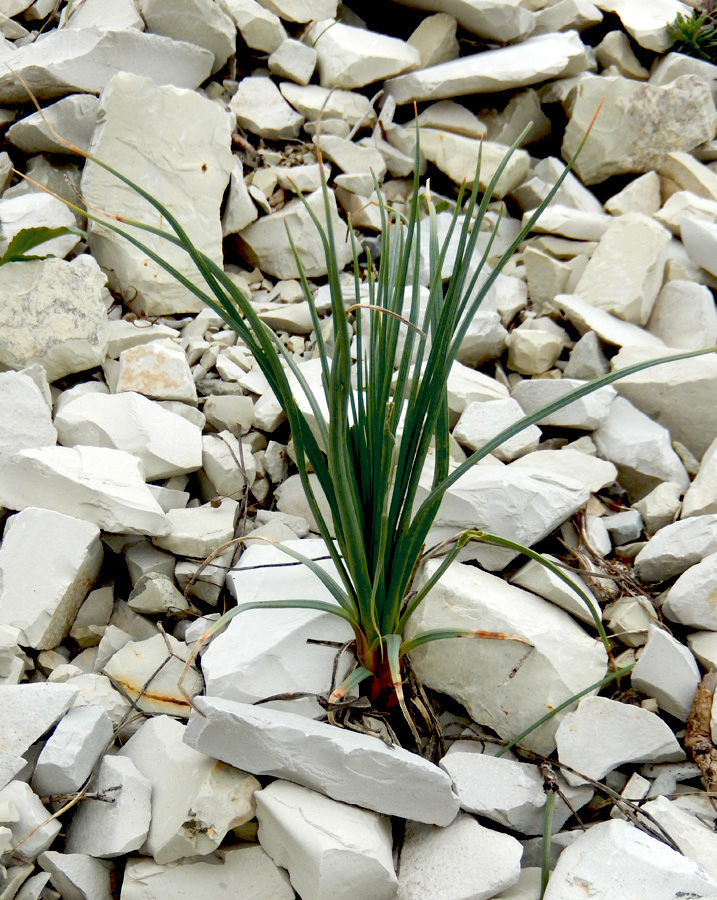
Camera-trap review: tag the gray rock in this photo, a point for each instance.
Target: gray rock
(667, 671)
(31, 832)
(690, 600)
(587, 413)
(668, 321)
(71, 751)
(623, 527)
(199, 22)
(542, 581)
(676, 547)
(339, 763)
(77, 875)
(73, 118)
(29, 710)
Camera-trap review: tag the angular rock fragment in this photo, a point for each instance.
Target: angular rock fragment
(29, 710)
(30, 832)
(542, 581)
(260, 109)
(586, 413)
(505, 685)
(26, 417)
(70, 753)
(77, 875)
(667, 671)
(189, 177)
(647, 20)
(258, 25)
(457, 156)
(488, 18)
(333, 761)
(73, 118)
(200, 22)
(329, 848)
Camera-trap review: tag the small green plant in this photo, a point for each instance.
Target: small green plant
(387, 413)
(695, 35)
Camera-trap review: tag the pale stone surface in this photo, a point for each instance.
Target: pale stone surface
(668, 321)
(244, 868)
(481, 421)
(26, 417)
(647, 20)
(491, 19)
(562, 661)
(293, 60)
(117, 14)
(570, 222)
(467, 385)
(701, 498)
(166, 444)
(259, 26)
(228, 467)
(676, 547)
(660, 507)
(641, 195)
(464, 861)
(29, 710)
(313, 101)
(72, 750)
(542, 581)
(507, 791)
(240, 210)
(586, 413)
(638, 125)
(700, 240)
(92, 483)
(156, 594)
(139, 661)
(695, 839)
(594, 473)
(678, 395)
(534, 60)
(667, 671)
(689, 174)
(265, 244)
(73, 118)
(330, 849)
(200, 22)
(457, 156)
(188, 174)
(616, 860)
(195, 799)
(353, 57)
(640, 448)
(524, 505)
(64, 328)
(77, 875)
(704, 646)
(534, 346)
(84, 60)
(106, 830)
(260, 109)
(435, 40)
(302, 10)
(602, 734)
(685, 205)
(52, 593)
(566, 15)
(158, 370)
(691, 599)
(197, 531)
(670, 66)
(586, 318)
(624, 275)
(30, 823)
(339, 763)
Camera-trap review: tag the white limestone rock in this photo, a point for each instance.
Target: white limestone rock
(507, 791)
(535, 345)
(330, 849)
(567, 14)
(156, 594)
(616, 860)
(264, 652)
(197, 531)
(293, 60)
(490, 19)
(638, 126)
(77, 875)
(481, 421)
(704, 646)
(678, 395)
(71, 751)
(520, 65)
(586, 413)
(29, 710)
(195, 799)
(64, 326)
(92, 483)
(228, 468)
(602, 734)
(52, 593)
(542, 581)
(525, 506)
(96, 690)
(676, 547)
(570, 222)
(332, 761)
(435, 39)
(113, 15)
(158, 370)
(351, 57)
(668, 321)
(29, 825)
(265, 244)
(505, 685)
(189, 177)
(667, 671)
(26, 417)
(83, 60)
(594, 473)
(107, 830)
(701, 498)
(685, 205)
(641, 195)
(690, 600)
(467, 385)
(165, 443)
(313, 101)
(240, 210)
(588, 318)
(257, 24)
(700, 240)
(660, 507)
(261, 110)
(137, 662)
(647, 20)
(464, 861)
(696, 840)
(73, 118)
(242, 866)
(200, 22)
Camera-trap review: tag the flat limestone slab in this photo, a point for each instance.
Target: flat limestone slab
(344, 765)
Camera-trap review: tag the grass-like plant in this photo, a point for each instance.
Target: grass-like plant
(387, 412)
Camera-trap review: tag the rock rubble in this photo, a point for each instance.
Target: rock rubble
(146, 471)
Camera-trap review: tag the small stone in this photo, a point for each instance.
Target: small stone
(96, 690)
(200, 22)
(700, 239)
(586, 413)
(641, 195)
(704, 646)
(354, 57)
(155, 594)
(542, 581)
(259, 26)
(157, 370)
(587, 360)
(269, 742)
(676, 547)
(77, 875)
(435, 40)
(139, 661)
(667, 321)
(567, 15)
(29, 710)
(594, 473)
(329, 848)
(260, 109)
(667, 671)
(690, 600)
(313, 101)
(624, 527)
(143, 558)
(101, 14)
(70, 753)
(26, 417)
(533, 349)
(293, 60)
(586, 318)
(646, 21)
(197, 531)
(31, 832)
(481, 421)
(230, 468)
(107, 830)
(685, 205)
(569, 222)
(660, 507)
